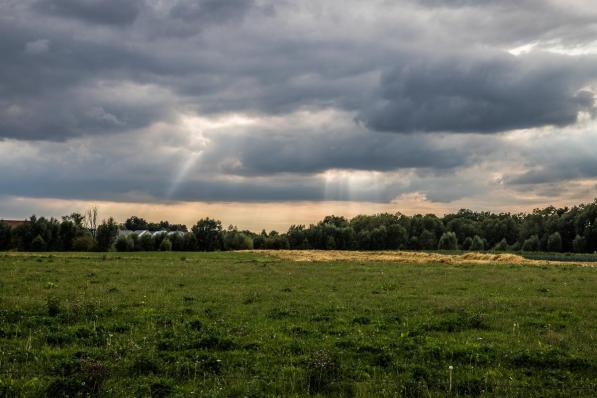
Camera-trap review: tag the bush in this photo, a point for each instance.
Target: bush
(124, 244)
(448, 241)
(38, 244)
(477, 245)
(83, 243)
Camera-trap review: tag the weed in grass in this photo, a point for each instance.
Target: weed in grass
(53, 306)
(323, 368)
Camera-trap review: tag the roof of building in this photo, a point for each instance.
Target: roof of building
(13, 223)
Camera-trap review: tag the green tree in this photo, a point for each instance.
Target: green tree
(208, 234)
(135, 223)
(531, 244)
(579, 244)
(106, 234)
(83, 243)
(554, 242)
(124, 244)
(38, 244)
(466, 245)
(166, 245)
(501, 246)
(448, 241)
(427, 240)
(4, 235)
(145, 243)
(477, 245)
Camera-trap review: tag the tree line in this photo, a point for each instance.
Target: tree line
(550, 229)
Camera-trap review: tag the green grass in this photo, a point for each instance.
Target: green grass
(247, 325)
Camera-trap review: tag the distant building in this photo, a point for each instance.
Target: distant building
(13, 223)
(153, 234)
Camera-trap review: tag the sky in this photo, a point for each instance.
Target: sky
(269, 113)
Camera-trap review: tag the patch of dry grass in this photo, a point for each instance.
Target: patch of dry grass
(409, 257)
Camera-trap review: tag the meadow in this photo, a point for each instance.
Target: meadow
(250, 324)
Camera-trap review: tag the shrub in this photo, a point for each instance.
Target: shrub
(477, 245)
(83, 243)
(554, 242)
(124, 244)
(448, 241)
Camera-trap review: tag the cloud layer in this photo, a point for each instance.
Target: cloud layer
(256, 100)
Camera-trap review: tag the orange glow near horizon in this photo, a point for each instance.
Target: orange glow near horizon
(257, 216)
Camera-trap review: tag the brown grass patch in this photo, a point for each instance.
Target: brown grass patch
(408, 257)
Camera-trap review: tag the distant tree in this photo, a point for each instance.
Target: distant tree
(4, 236)
(397, 237)
(68, 232)
(297, 237)
(233, 239)
(531, 244)
(38, 244)
(579, 244)
(448, 241)
(501, 246)
(91, 220)
(165, 245)
(124, 244)
(477, 244)
(554, 242)
(466, 245)
(427, 240)
(145, 243)
(76, 218)
(106, 234)
(208, 234)
(135, 223)
(83, 243)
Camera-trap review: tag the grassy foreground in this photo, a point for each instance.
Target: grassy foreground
(247, 324)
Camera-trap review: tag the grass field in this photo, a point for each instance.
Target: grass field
(251, 324)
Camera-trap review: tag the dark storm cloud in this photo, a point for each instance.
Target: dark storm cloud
(482, 94)
(266, 152)
(109, 12)
(94, 80)
(210, 11)
(234, 56)
(558, 169)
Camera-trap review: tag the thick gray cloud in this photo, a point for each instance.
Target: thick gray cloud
(402, 67)
(110, 12)
(482, 93)
(133, 100)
